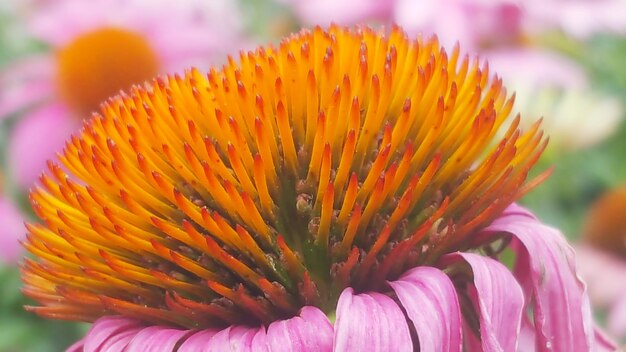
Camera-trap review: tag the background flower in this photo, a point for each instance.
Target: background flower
(98, 48)
(602, 257)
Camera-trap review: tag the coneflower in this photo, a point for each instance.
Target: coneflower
(345, 190)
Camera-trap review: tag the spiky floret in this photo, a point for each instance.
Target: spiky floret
(339, 158)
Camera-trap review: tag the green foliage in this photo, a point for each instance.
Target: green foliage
(581, 176)
(24, 331)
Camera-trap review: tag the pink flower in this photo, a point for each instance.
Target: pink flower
(346, 190)
(100, 47)
(577, 18)
(323, 12)
(425, 299)
(474, 23)
(605, 275)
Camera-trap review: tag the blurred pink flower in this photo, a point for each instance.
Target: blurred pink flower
(602, 257)
(475, 24)
(577, 18)
(605, 275)
(323, 12)
(11, 230)
(100, 47)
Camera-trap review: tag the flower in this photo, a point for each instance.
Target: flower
(602, 257)
(343, 191)
(342, 12)
(100, 47)
(475, 23)
(581, 19)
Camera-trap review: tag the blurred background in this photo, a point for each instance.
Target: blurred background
(564, 59)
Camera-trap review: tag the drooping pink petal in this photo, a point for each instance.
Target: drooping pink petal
(546, 269)
(370, 322)
(498, 299)
(233, 338)
(120, 340)
(430, 301)
(311, 331)
(156, 339)
(107, 330)
(526, 340)
(259, 342)
(36, 138)
(77, 346)
(198, 340)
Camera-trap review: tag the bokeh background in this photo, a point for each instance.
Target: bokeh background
(566, 61)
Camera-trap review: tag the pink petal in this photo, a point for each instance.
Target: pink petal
(36, 138)
(536, 67)
(323, 12)
(17, 99)
(526, 341)
(599, 269)
(617, 318)
(120, 340)
(59, 22)
(77, 346)
(25, 83)
(108, 330)
(430, 301)
(259, 342)
(198, 341)
(546, 269)
(11, 230)
(370, 322)
(156, 339)
(311, 331)
(603, 342)
(498, 298)
(233, 338)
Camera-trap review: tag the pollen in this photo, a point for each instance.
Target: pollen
(98, 64)
(338, 158)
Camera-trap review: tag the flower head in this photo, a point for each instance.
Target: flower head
(338, 174)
